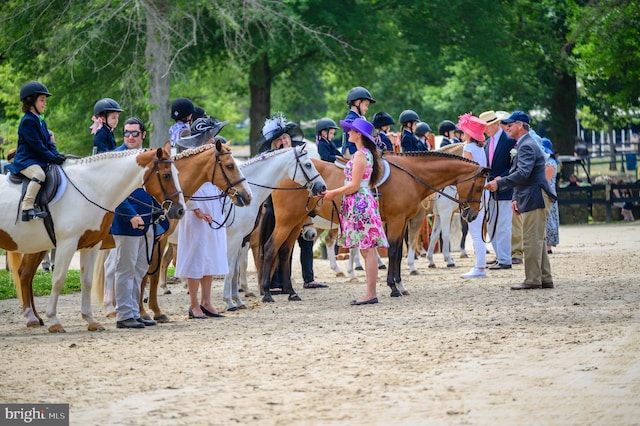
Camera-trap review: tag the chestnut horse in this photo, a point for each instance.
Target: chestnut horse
(81, 217)
(413, 176)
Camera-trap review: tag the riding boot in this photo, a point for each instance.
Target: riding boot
(28, 209)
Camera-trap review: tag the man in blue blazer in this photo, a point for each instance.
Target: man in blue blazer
(532, 199)
(498, 150)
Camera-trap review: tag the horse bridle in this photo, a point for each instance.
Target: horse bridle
(230, 185)
(462, 205)
(166, 203)
(308, 179)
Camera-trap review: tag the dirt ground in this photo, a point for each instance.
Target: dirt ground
(453, 352)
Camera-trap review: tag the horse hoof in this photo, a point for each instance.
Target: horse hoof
(167, 292)
(34, 324)
(451, 265)
(381, 267)
(111, 315)
(162, 318)
(432, 265)
(294, 298)
(267, 299)
(145, 317)
(95, 326)
(396, 293)
(241, 307)
(232, 309)
(353, 280)
(250, 294)
(405, 293)
(414, 273)
(340, 274)
(57, 328)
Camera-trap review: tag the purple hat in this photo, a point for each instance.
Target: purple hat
(517, 116)
(360, 125)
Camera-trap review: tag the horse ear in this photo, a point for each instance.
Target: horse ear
(167, 145)
(161, 153)
(218, 145)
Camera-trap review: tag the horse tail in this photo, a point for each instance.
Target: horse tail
(97, 289)
(13, 262)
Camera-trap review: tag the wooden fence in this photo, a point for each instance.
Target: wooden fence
(577, 203)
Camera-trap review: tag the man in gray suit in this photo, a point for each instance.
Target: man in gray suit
(532, 198)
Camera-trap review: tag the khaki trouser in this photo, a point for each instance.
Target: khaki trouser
(516, 237)
(32, 172)
(537, 268)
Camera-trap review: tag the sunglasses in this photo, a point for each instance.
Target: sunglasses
(134, 133)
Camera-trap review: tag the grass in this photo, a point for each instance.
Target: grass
(41, 284)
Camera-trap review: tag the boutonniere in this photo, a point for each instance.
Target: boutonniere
(513, 153)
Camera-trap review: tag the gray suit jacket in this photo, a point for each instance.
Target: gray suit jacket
(527, 176)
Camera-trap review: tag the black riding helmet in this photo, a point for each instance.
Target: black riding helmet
(359, 93)
(181, 108)
(422, 129)
(33, 88)
(382, 119)
(106, 105)
(325, 123)
(407, 116)
(446, 126)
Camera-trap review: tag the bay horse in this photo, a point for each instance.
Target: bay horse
(264, 172)
(413, 176)
(81, 216)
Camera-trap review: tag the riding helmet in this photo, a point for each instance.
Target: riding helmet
(33, 88)
(106, 105)
(359, 93)
(446, 126)
(325, 123)
(421, 129)
(408, 115)
(382, 119)
(181, 108)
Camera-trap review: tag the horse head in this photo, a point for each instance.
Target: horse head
(470, 193)
(309, 175)
(229, 176)
(165, 187)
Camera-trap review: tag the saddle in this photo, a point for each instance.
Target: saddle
(47, 193)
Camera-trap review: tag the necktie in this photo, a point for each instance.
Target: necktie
(491, 149)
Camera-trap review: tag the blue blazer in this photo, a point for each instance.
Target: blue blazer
(138, 203)
(348, 145)
(328, 151)
(34, 144)
(527, 176)
(410, 142)
(501, 162)
(104, 139)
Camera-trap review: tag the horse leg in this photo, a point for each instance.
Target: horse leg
(395, 236)
(433, 240)
(242, 271)
(24, 268)
(413, 234)
(465, 229)
(87, 262)
(167, 257)
(64, 255)
(230, 280)
(381, 264)
(158, 315)
(330, 243)
(354, 258)
(446, 241)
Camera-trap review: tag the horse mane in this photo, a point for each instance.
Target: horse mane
(109, 155)
(265, 155)
(193, 151)
(427, 154)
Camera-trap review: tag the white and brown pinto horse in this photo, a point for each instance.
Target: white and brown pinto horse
(81, 214)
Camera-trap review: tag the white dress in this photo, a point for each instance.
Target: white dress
(201, 249)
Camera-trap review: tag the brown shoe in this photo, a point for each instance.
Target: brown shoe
(524, 286)
(516, 261)
(547, 285)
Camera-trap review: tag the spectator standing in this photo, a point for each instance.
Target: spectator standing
(498, 154)
(532, 198)
(361, 226)
(106, 114)
(473, 136)
(35, 147)
(134, 233)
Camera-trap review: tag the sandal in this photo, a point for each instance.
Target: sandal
(314, 284)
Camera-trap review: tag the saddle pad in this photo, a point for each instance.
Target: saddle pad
(55, 181)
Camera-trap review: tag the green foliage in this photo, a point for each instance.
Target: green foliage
(41, 284)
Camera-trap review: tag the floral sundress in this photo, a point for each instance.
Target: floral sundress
(361, 226)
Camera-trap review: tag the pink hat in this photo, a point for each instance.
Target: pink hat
(472, 126)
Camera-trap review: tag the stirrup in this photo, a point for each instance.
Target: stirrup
(30, 214)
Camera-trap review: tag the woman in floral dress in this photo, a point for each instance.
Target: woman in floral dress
(361, 225)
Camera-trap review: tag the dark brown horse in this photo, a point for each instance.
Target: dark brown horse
(413, 176)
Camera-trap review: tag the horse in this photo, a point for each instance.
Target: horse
(81, 215)
(412, 177)
(263, 171)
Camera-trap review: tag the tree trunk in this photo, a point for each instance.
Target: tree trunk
(260, 89)
(563, 114)
(157, 64)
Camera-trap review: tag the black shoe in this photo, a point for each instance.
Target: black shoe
(129, 323)
(524, 286)
(209, 313)
(381, 267)
(499, 266)
(547, 285)
(27, 215)
(359, 268)
(194, 316)
(516, 261)
(365, 302)
(146, 322)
